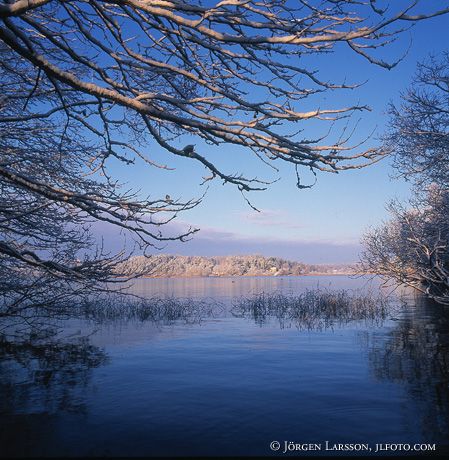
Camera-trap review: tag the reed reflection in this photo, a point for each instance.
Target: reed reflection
(44, 369)
(415, 354)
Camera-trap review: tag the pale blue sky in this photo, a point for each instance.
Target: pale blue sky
(322, 224)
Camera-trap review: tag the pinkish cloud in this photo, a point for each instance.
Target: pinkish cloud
(271, 218)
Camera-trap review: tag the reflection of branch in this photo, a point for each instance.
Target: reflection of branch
(47, 369)
(416, 354)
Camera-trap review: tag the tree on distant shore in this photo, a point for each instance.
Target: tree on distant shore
(413, 247)
(86, 82)
(244, 265)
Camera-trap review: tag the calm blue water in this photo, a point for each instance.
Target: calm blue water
(211, 383)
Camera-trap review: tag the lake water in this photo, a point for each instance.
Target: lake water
(221, 382)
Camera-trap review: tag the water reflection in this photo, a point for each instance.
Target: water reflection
(46, 375)
(213, 365)
(47, 361)
(44, 369)
(226, 288)
(415, 354)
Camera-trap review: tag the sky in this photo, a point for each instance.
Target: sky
(322, 224)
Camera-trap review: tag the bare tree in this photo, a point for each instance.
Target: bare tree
(413, 247)
(83, 82)
(419, 134)
(49, 198)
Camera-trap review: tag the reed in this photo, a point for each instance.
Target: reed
(314, 309)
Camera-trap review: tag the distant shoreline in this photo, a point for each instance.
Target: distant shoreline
(249, 276)
(175, 266)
